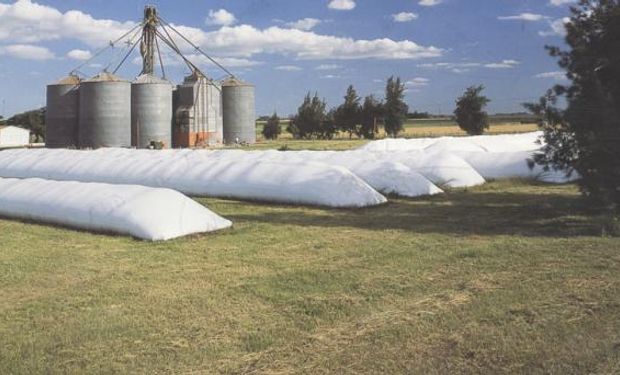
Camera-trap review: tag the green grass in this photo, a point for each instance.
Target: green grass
(510, 277)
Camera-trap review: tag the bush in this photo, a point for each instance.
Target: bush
(272, 129)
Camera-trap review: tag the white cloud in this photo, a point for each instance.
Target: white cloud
(288, 68)
(28, 22)
(557, 75)
(532, 17)
(450, 66)
(463, 67)
(341, 4)
(27, 52)
(304, 24)
(328, 67)
(200, 60)
(79, 54)
(330, 76)
(417, 82)
(246, 40)
(25, 22)
(504, 64)
(220, 17)
(558, 3)
(404, 17)
(557, 28)
(429, 3)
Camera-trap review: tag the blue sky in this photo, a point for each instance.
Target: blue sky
(289, 47)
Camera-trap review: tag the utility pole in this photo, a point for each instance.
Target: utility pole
(147, 45)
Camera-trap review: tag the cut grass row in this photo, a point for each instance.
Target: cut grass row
(508, 277)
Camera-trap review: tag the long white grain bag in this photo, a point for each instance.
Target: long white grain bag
(496, 165)
(385, 176)
(142, 212)
(442, 168)
(487, 143)
(195, 173)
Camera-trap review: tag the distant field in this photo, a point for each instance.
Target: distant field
(509, 277)
(413, 129)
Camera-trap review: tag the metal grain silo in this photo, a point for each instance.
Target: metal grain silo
(105, 112)
(151, 112)
(239, 114)
(61, 115)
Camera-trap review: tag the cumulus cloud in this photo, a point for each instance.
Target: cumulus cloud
(532, 17)
(288, 68)
(79, 54)
(304, 24)
(341, 4)
(557, 75)
(429, 3)
(27, 52)
(557, 27)
(404, 17)
(246, 41)
(25, 22)
(28, 22)
(220, 17)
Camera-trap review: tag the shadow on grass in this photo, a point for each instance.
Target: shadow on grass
(460, 213)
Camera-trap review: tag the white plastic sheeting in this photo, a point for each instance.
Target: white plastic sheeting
(202, 173)
(143, 212)
(490, 156)
(386, 176)
(495, 165)
(482, 143)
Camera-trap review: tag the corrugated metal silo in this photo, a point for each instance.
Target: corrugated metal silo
(151, 111)
(105, 112)
(239, 113)
(198, 112)
(61, 115)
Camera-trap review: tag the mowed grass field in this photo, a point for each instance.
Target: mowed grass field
(510, 277)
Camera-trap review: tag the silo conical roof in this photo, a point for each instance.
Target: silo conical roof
(234, 81)
(68, 80)
(105, 77)
(149, 78)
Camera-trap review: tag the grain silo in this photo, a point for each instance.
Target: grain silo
(198, 112)
(105, 112)
(61, 115)
(239, 114)
(151, 112)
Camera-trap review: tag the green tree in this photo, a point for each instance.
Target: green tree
(347, 115)
(370, 114)
(32, 120)
(311, 120)
(584, 135)
(272, 129)
(395, 108)
(469, 112)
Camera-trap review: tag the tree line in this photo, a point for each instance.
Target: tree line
(362, 118)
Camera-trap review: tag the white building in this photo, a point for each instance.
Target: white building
(14, 136)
